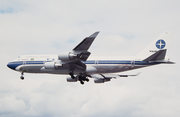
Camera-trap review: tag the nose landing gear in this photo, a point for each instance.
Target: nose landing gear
(22, 77)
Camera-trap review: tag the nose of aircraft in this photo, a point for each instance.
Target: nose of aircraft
(11, 66)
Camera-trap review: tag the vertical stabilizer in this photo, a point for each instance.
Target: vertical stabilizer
(156, 49)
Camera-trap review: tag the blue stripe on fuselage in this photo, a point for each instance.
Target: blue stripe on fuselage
(15, 64)
(119, 62)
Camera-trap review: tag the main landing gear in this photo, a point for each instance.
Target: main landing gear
(72, 75)
(22, 77)
(81, 77)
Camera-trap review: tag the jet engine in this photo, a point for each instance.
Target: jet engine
(52, 65)
(99, 78)
(102, 80)
(69, 79)
(82, 55)
(69, 56)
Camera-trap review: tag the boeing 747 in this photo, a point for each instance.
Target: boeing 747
(76, 64)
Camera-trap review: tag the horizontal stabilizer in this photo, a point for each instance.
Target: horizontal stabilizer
(110, 76)
(129, 75)
(159, 55)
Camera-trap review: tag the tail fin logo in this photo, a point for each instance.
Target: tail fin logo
(160, 44)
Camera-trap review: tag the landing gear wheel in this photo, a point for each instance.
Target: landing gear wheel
(82, 82)
(72, 75)
(22, 78)
(87, 79)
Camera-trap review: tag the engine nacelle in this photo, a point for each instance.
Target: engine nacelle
(101, 80)
(69, 79)
(52, 65)
(68, 56)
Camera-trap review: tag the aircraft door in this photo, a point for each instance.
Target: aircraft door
(96, 62)
(132, 63)
(24, 62)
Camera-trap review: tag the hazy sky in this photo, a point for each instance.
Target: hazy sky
(51, 27)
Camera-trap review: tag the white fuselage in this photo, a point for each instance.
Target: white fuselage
(35, 64)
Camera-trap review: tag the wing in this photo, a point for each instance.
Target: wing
(81, 50)
(86, 43)
(78, 54)
(101, 78)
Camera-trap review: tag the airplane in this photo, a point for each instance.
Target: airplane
(76, 64)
